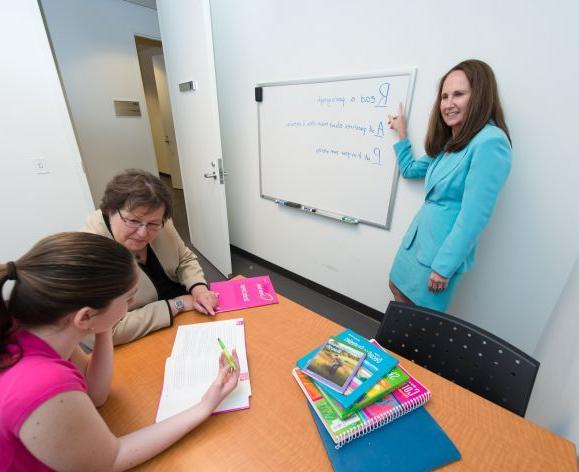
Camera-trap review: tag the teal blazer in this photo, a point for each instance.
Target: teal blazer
(461, 192)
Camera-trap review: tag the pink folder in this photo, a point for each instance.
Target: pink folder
(244, 293)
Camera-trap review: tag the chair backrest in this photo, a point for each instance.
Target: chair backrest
(461, 352)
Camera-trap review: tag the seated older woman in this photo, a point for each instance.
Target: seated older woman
(136, 211)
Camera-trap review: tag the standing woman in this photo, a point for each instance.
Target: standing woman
(467, 161)
(66, 286)
(136, 211)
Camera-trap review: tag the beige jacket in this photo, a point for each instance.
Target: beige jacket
(148, 313)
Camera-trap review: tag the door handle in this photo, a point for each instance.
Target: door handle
(220, 172)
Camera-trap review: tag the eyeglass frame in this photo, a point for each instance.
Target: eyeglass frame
(128, 222)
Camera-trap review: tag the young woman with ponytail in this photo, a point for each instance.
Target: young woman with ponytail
(67, 286)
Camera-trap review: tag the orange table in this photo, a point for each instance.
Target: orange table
(278, 434)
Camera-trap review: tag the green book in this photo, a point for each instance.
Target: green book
(394, 379)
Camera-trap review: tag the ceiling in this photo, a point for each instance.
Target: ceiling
(145, 3)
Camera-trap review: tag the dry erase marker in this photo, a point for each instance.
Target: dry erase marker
(345, 219)
(288, 204)
(227, 355)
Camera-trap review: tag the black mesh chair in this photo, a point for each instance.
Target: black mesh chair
(461, 352)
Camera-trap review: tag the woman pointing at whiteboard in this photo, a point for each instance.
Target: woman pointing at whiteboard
(467, 161)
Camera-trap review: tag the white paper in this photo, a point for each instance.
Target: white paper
(194, 364)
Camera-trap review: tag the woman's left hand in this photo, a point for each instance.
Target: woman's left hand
(204, 301)
(436, 282)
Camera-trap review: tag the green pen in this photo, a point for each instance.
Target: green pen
(334, 216)
(227, 355)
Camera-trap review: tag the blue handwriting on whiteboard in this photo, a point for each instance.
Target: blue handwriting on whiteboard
(330, 101)
(367, 99)
(363, 129)
(370, 157)
(383, 90)
(376, 152)
(379, 131)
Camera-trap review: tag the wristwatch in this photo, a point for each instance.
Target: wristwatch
(179, 305)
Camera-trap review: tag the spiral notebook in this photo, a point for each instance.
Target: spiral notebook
(408, 397)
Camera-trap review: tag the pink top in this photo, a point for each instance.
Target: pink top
(38, 376)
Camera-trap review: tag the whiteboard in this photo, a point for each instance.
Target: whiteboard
(326, 144)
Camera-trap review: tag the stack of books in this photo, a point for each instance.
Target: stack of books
(354, 387)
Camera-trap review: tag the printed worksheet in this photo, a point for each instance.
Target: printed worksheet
(194, 364)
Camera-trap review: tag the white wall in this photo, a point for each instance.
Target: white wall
(34, 123)
(555, 400)
(96, 53)
(526, 255)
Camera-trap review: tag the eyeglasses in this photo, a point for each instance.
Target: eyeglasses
(136, 224)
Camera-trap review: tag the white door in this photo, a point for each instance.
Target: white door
(167, 120)
(188, 49)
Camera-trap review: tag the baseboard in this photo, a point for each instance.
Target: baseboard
(344, 300)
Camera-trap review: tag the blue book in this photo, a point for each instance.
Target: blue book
(375, 366)
(413, 443)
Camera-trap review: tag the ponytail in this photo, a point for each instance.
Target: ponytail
(7, 323)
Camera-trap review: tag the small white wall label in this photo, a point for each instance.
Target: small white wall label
(40, 166)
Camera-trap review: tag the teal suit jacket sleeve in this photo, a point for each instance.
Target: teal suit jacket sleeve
(410, 168)
(490, 165)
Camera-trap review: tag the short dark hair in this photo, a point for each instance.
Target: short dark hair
(484, 105)
(60, 274)
(135, 188)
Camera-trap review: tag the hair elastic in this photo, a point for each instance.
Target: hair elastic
(11, 271)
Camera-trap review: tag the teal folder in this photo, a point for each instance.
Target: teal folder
(413, 443)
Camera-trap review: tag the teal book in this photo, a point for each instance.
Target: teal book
(375, 366)
(335, 364)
